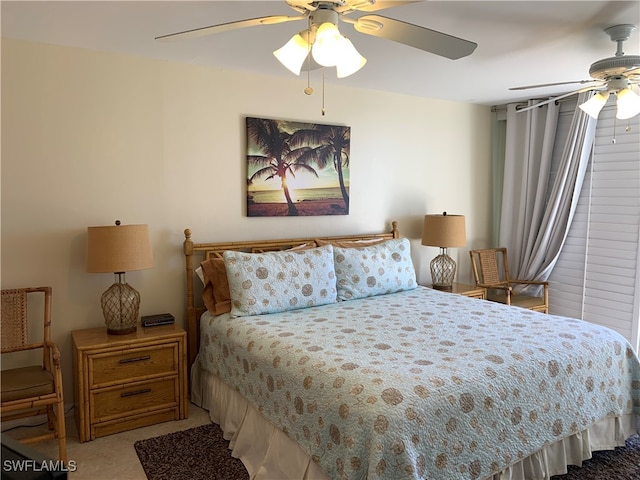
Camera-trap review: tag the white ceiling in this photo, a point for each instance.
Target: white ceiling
(519, 42)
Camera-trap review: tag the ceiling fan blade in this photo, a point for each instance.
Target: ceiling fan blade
(553, 99)
(526, 87)
(372, 6)
(225, 27)
(415, 36)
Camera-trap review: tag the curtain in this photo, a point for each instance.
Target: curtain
(535, 215)
(498, 139)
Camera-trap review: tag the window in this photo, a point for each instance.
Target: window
(596, 276)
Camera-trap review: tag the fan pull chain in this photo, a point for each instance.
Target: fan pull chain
(323, 110)
(308, 90)
(615, 123)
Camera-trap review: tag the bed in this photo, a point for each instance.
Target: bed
(325, 360)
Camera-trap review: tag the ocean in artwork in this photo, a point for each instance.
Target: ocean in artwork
(297, 195)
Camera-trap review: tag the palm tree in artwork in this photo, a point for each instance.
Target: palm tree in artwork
(332, 147)
(276, 158)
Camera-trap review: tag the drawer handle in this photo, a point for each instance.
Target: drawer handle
(135, 359)
(135, 392)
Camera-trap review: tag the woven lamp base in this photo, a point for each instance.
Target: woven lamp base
(443, 271)
(120, 306)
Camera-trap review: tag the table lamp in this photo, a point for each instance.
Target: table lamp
(443, 231)
(119, 249)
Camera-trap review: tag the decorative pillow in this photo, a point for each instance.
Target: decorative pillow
(374, 270)
(350, 243)
(215, 294)
(273, 282)
(213, 273)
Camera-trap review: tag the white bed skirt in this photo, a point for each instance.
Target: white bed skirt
(270, 454)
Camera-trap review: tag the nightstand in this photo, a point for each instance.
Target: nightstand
(468, 290)
(122, 382)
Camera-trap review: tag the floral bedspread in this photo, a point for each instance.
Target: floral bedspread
(423, 384)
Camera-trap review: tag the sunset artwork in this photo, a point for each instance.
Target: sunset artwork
(296, 168)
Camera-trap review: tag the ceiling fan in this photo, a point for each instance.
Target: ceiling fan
(326, 46)
(618, 75)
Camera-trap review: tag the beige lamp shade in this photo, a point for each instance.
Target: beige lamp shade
(444, 231)
(118, 248)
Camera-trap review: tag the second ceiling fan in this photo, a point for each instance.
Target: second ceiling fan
(617, 76)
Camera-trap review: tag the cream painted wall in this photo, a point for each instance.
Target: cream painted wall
(90, 137)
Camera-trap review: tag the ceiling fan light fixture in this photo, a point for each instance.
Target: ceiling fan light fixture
(628, 104)
(350, 60)
(293, 53)
(328, 45)
(593, 106)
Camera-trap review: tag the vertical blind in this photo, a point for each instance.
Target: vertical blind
(596, 276)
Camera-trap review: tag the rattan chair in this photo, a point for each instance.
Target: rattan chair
(491, 271)
(31, 390)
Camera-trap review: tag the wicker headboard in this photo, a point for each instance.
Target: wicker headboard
(197, 252)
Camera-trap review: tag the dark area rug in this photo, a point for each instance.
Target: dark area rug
(623, 463)
(202, 453)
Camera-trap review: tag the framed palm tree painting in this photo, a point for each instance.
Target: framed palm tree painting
(296, 168)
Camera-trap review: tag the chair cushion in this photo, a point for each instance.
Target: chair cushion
(524, 301)
(25, 382)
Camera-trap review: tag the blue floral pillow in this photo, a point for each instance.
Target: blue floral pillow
(278, 281)
(374, 270)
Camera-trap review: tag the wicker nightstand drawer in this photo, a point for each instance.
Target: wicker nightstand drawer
(130, 365)
(131, 398)
(128, 381)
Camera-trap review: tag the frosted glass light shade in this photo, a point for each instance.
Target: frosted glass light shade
(628, 104)
(593, 106)
(350, 60)
(330, 49)
(327, 46)
(293, 53)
